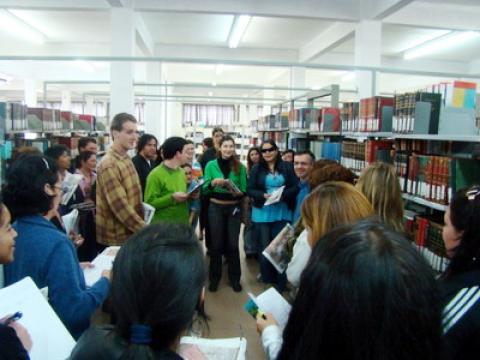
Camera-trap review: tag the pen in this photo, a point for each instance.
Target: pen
(17, 316)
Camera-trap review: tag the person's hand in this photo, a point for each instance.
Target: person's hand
(180, 196)
(263, 323)
(219, 182)
(107, 274)
(266, 196)
(77, 239)
(86, 265)
(22, 334)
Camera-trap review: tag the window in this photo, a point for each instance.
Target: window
(208, 115)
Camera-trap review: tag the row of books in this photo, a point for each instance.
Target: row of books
(280, 138)
(417, 112)
(357, 156)
(326, 150)
(375, 114)
(435, 178)
(459, 94)
(350, 116)
(328, 121)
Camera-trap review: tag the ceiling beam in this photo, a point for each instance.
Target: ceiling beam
(143, 36)
(384, 8)
(326, 40)
(62, 5)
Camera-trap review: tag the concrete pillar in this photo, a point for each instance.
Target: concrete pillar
(154, 113)
(368, 41)
(66, 100)
(30, 92)
(122, 24)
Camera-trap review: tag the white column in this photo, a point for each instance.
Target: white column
(297, 80)
(89, 108)
(154, 114)
(66, 100)
(122, 73)
(30, 92)
(368, 41)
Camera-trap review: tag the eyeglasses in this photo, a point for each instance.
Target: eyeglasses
(472, 193)
(272, 149)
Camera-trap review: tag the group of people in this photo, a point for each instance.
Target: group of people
(360, 289)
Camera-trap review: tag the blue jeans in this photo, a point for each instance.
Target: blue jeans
(266, 232)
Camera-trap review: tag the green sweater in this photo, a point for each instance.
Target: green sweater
(162, 182)
(212, 171)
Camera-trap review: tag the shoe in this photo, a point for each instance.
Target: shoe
(236, 287)
(213, 286)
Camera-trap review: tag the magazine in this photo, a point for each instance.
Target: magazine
(199, 184)
(192, 348)
(276, 252)
(275, 196)
(69, 185)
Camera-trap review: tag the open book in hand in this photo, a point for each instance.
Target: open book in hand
(275, 196)
(192, 348)
(270, 301)
(103, 261)
(276, 252)
(148, 212)
(50, 339)
(200, 182)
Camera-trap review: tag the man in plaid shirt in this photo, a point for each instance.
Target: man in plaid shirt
(119, 194)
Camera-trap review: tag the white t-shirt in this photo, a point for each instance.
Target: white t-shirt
(301, 254)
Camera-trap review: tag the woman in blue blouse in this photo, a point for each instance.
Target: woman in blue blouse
(42, 251)
(266, 177)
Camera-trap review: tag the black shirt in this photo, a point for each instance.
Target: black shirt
(143, 169)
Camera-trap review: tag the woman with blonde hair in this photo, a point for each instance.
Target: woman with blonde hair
(380, 184)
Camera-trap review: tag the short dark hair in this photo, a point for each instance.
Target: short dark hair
(160, 259)
(144, 140)
(189, 141)
(289, 151)
(120, 119)
(278, 159)
(464, 216)
(217, 129)
(172, 145)
(55, 151)
(84, 141)
(208, 142)
(363, 294)
(85, 156)
(305, 152)
(24, 193)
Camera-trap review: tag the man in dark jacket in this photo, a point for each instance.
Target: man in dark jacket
(144, 161)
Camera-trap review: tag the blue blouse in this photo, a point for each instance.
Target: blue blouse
(275, 212)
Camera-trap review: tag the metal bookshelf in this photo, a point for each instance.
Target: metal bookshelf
(424, 202)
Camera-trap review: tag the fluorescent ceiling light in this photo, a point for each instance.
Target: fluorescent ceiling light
(239, 26)
(219, 69)
(349, 76)
(214, 84)
(210, 93)
(316, 87)
(441, 43)
(19, 28)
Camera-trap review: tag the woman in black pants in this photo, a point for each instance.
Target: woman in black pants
(269, 175)
(226, 182)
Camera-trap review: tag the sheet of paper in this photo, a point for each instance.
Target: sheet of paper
(104, 261)
(51, 340)
(69, 185)
(275, 196)
(71, 221)
(148, 212)
(192, 348)
(271, 301)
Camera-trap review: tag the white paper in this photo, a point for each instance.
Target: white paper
(104, 261)
(274, 196)
(51, 340)
(192, 348)
(148, 212)
(271, 301)
(69, 185)
(71, 221)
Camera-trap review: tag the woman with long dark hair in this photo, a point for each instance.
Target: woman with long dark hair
(366, 293)
(157, 287)
(226, 183)
(250, 245)
(270, 174)
(461, 280)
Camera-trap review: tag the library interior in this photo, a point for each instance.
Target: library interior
(227, 179)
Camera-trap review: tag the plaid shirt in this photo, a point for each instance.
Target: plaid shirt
(119, 200)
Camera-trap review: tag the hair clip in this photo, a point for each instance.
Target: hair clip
(46, 163)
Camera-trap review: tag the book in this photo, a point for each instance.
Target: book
(148, 212)
(275, 196)
(270, 301)
(276, 252)
(193, 348)
(50, 339)
(200, 182)
(103, 261)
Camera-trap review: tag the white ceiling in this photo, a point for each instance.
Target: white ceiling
(280, 31)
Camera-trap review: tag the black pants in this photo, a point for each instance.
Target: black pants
(204, 202)
(224, 222)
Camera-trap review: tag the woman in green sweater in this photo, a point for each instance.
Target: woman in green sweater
(226, 183)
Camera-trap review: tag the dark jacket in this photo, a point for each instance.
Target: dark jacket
(209, 155)
(256, 184)
(103, 343)
(10, 345)
(461, 295)
(143, 169)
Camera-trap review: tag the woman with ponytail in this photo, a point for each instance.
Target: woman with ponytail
(157, 288)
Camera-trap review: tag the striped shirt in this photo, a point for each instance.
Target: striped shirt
(119, 199)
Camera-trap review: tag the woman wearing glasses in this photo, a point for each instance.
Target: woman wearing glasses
(461, 280)
(41, 250)
(269, 175)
